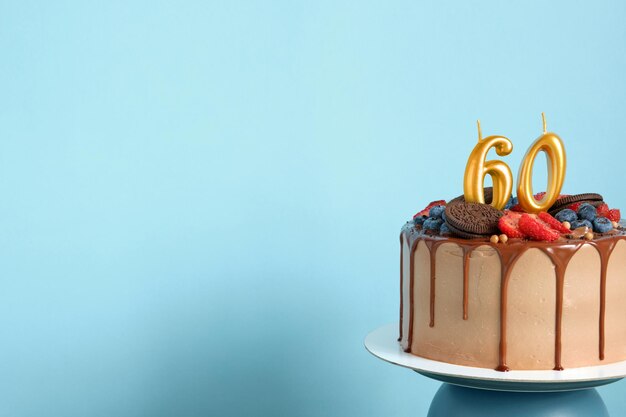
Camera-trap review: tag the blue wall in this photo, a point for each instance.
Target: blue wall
(200, 203)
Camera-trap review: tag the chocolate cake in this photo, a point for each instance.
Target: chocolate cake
(506, 289)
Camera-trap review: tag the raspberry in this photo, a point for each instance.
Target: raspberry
(428, 207)
(575, 206)
(614, 215)
(535, 229)
(602, 210)
(509, 224)
(518, 208)
(552, 222)
(540, 195)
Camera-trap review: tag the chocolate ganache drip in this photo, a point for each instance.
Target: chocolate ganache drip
(560, 253)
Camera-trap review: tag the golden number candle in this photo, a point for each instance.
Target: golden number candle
(552, 145)
(477, 168)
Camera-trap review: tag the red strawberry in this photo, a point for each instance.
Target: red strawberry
(517, 208)
(553, 223)
(602, 210)
(614, 215)
(535, 229)
(536, 217)
(509, 224)
(575, 206)
(540, 195)
(428, 207)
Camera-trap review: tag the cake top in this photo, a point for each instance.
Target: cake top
(571, 217)
(494, 213)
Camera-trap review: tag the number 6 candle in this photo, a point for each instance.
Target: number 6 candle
(477, 168)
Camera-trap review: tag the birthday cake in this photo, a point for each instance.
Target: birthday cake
(532, 282)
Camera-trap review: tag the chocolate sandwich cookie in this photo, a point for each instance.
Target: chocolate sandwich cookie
(564, 202)
(464, 235)
(473, 218)
(487, 192)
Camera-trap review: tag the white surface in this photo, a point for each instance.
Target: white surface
(383, 343)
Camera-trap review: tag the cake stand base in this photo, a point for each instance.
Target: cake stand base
(456, 401)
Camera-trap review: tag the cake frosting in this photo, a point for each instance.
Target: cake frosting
(522, 304)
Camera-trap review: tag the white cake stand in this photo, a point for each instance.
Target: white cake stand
(486, 392)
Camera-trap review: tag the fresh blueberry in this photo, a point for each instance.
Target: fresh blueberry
(443, 216)
(444, 228)
(602, 225)
(587, 212)
(419, 220)
(432, 223)
(436, 211)
(580, 223)
(512, 202)
(566, 215)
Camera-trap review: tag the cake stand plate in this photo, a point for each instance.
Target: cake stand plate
(383, 343)
(471, 392)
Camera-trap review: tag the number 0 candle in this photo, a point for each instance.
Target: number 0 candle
(552, 145)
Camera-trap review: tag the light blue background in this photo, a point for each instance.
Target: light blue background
(200, 203)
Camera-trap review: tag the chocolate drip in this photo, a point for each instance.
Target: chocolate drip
(604, 248)
(467, 250)
(432, 245)
(560, 254)
(411, 294)
(507, 261)
(560, 257)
